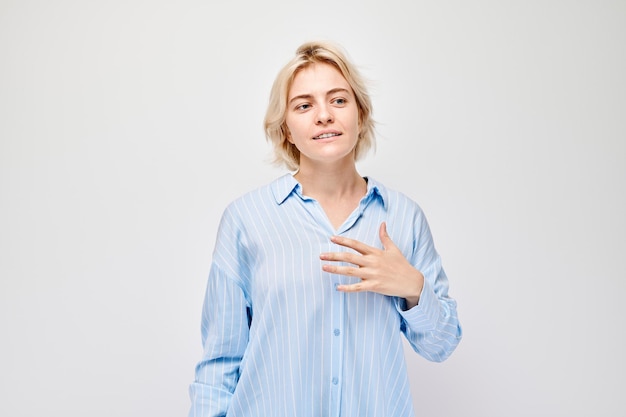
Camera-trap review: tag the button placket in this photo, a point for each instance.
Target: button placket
(337, 328)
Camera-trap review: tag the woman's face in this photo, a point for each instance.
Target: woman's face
(322, 116)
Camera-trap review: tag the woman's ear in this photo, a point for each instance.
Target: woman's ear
(287, 134)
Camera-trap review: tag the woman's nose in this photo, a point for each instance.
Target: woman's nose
(324, 116)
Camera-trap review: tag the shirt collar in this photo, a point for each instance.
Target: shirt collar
(283, 186)
(374, 188)
(287, 185)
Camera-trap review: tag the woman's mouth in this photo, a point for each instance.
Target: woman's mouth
(326, 135)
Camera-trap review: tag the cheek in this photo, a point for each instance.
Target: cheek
(358, 125)
(293, 129)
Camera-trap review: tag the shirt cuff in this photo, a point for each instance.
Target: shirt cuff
(425, 315)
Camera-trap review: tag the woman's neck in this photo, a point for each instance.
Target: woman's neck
(331, 183)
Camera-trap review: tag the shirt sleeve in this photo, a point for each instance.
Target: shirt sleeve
(226, 315)
(431, 327)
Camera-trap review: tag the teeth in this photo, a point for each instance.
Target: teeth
(326, 135)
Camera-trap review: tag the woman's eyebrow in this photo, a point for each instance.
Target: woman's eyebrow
(337, 90)
(328, 93)
(301, 96)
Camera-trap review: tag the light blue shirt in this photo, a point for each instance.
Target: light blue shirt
(279, 339)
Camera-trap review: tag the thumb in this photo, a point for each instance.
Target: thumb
(384, 236)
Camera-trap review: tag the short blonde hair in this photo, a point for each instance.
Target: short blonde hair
(276, 131)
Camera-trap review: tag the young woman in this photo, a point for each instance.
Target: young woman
(316, 276)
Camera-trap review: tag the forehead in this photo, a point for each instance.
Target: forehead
(317, 78)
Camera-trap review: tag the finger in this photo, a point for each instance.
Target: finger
(384, 237)
(360, 247)
(358, 287)
(349, 271)
(349, 257)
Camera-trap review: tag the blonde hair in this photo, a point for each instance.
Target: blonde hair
(276, 132)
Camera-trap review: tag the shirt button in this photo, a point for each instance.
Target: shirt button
(337, 332)
(335, 381)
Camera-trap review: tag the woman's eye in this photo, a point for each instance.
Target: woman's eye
(303, 106)
(340, 101)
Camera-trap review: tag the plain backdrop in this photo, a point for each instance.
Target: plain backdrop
(127, 126)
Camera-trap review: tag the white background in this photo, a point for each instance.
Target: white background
(127, 126)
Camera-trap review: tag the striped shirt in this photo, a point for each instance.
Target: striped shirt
(279, 339)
